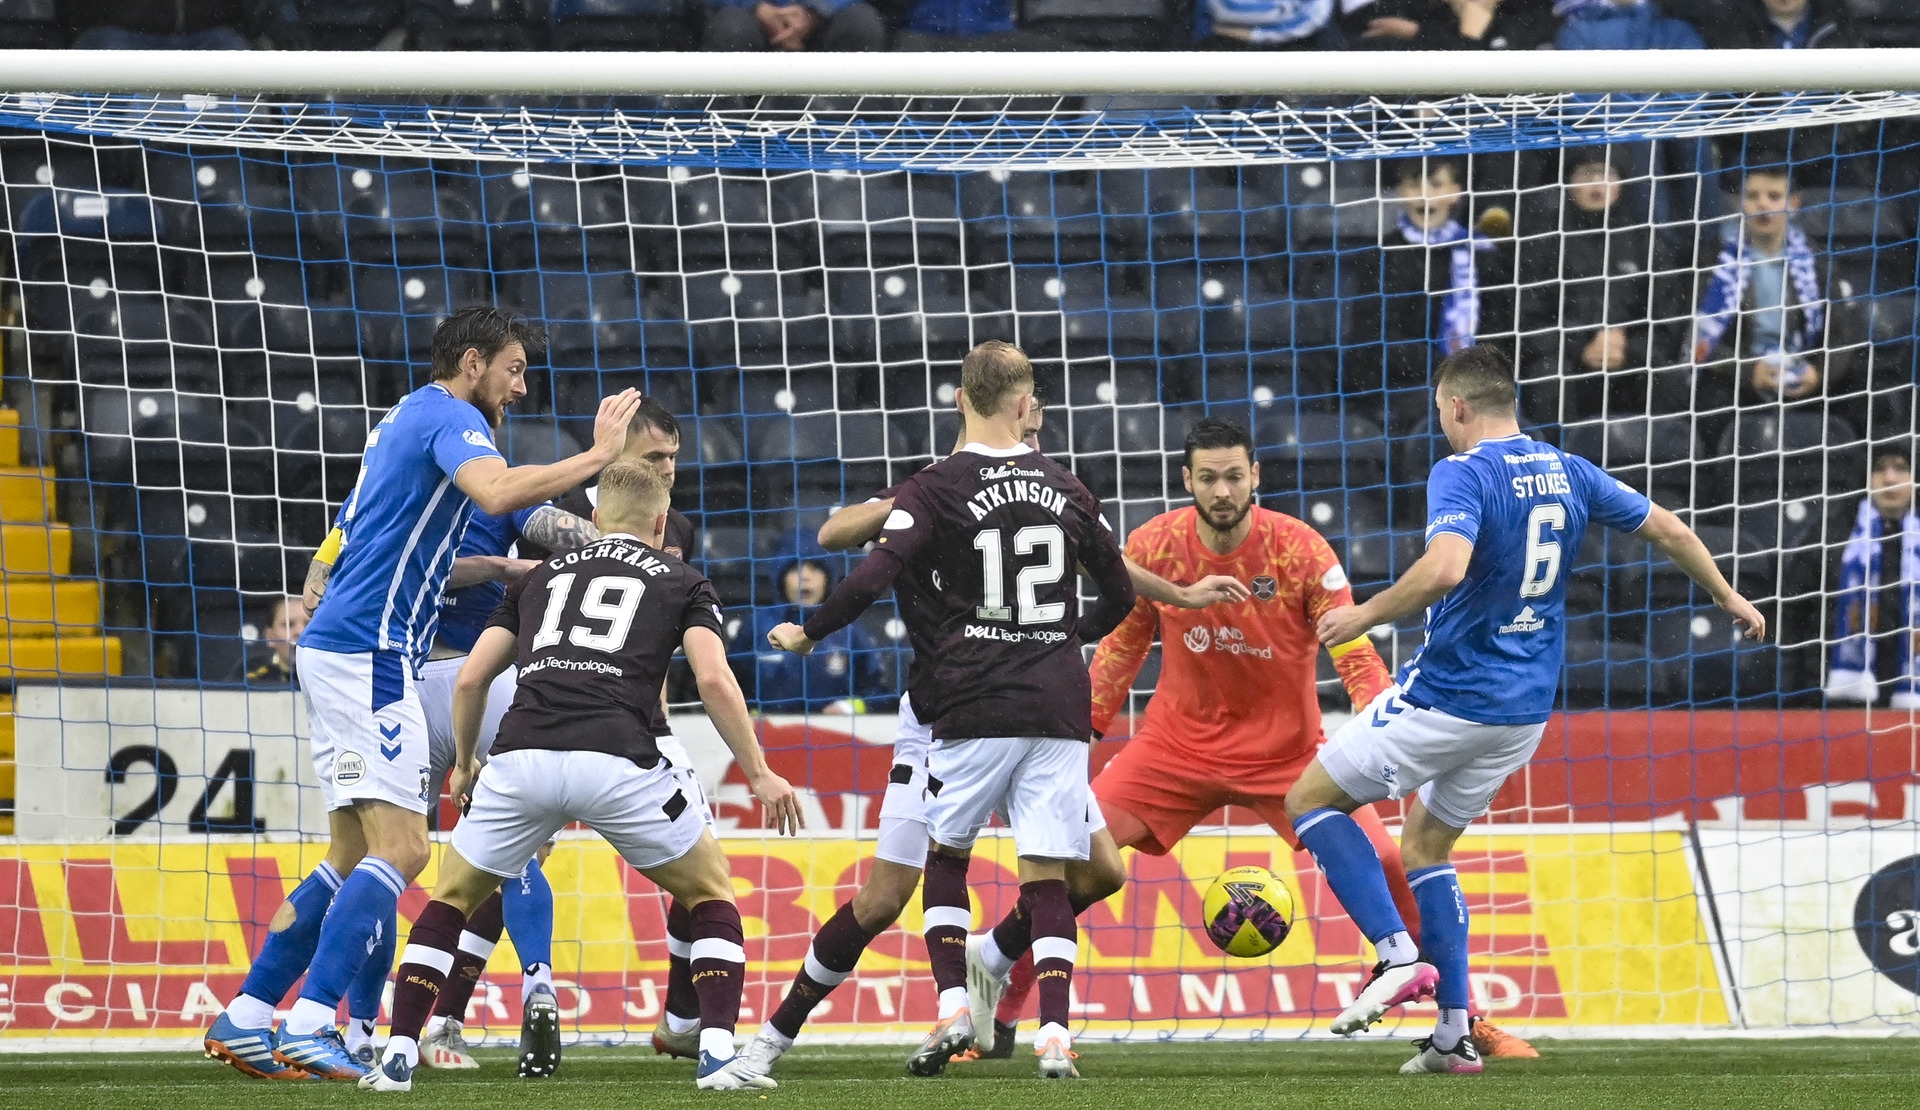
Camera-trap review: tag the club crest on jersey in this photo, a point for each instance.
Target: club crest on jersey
(349, 769)
(1264, 587)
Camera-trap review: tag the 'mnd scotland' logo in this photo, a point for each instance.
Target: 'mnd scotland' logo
(1886, 921)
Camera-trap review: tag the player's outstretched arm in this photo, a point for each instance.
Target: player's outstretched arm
(552, 528)
(1211, 590)
(1426, 581)
(492, 653)
(854, 525)
(469, 570)
(727, 708)
(500, 489)
(872, 578)
(1671, 535)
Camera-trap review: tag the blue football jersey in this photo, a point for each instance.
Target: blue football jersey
(1495, 642)
(464, 612)
(401, 528)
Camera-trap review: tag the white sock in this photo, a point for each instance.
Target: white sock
(1397, 949)
(434, 1025)
(534, 976)
(359, 1033)
(248, 1012)
(717, 1043)
(308, 1017)
(678, 1024)
(405, 1048)
(1050, 1030)
(953, 1001)
(997, 961)
(1452, 1027)
(768, 1032)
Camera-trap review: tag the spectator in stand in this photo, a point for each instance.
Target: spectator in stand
(1268, 25)
(828, 25)
(844, 675)
(1592, 274)
(1434, 287)
(155, 25)
(1760, 334)
(1781, 24)
(1450, 24)
(271, 662)
(1879, 584)
(1622, 25)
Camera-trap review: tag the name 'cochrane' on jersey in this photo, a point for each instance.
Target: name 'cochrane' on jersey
(998, 534)
(596, 629)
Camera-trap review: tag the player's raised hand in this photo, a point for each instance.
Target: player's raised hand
(791, 637)
(1342, 624)
(1214, 589)
(1752, 624)
(610, 426)
(781, 804)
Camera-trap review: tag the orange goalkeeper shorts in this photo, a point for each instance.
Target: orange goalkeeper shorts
(1159, 782)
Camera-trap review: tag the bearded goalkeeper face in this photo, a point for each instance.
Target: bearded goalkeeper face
(1222, 481)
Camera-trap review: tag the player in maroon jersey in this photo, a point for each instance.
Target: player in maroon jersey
(991, 536)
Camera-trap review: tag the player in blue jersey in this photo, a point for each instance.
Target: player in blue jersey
(1505, 517)
(428, 464)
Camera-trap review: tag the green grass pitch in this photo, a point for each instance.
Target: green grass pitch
(1575, 1075)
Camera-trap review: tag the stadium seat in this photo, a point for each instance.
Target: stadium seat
(536, 440)
(545, 220)
(330, 24)
(147, 340)
(620, 25)
(476, 24)
(722, 222)
(880, 220)
(400, 308)
(1044, 221)
(1219, 308)
(31, 25)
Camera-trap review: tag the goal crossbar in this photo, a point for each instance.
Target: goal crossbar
(972, 74)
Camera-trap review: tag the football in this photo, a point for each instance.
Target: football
(1248, 912)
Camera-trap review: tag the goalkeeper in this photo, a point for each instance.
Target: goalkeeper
(1236, 715)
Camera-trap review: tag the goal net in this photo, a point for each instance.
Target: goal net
(208, 300)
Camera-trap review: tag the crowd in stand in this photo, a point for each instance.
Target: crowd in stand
(847, 25)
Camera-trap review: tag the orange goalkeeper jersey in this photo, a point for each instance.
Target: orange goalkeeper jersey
(1237, 682)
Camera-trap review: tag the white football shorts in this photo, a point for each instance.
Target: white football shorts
(675, 753)
(1039, 783)
(1394, 748)
(368, 731)
(903, 812)
(436, 701)
(524, 797)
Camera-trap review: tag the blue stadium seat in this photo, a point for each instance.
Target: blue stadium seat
(1218, 308)
(880, 220)
(542, 219)
(399, 308)
(722, 222)
(620, 25)
(1045, 221)
(31, 25)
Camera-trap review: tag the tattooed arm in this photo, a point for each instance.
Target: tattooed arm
(320, 570)
(557, 530)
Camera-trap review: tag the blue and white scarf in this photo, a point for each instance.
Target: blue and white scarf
(1721, 304)
(1273, 20)
(1861, 579)
(1460, 312)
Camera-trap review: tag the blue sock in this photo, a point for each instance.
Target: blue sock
(1352, 867)
(1443, 930)
(370, 986)
(526, 905)
(286, 953)
(355, 927)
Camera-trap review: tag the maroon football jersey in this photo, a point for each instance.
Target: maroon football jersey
(596, 629)
(996, 537)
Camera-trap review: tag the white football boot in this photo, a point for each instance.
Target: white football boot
(984, 991)
(1462, 1059)
(1390, 986)
(446, 1049)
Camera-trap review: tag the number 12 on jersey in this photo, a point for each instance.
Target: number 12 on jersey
(1028, 580)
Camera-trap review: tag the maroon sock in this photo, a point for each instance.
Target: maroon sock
(836, 949)
(424, 964)
(1014, 934)
(943, 898)
(476, 947)
(719, 963)
(682, 1000)
(1054, 938)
